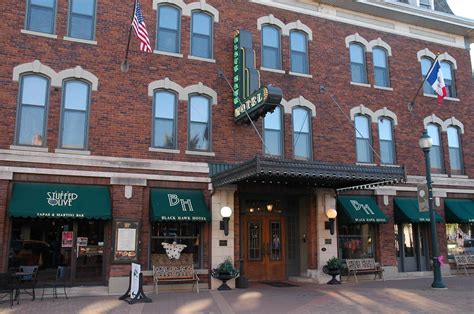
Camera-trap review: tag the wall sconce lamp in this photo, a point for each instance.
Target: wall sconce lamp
(331, 213)
(269, 207)
(226, 212)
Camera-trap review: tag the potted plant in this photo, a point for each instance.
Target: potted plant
(333, 267)
(224, 272)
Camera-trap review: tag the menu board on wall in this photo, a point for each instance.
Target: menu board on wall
(125, 241)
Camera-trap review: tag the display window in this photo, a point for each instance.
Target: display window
(356, 241)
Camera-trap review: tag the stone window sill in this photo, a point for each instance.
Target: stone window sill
(300, 74)
(80, 40)
(202, 59)
(197, 153)
(164, 150)
(273, 70)
(72, 151)
(360, 84)
(29, 148)
(25, 31)
(166, 53)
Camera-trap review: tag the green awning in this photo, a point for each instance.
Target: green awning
(407, 210)
(178, 205)
(459, 210)
(359, 209)
(44, 200)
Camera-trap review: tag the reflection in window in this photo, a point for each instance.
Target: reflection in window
(357, 58)
(164, 122)
(301, 133)
(168, 29)
(425, 67)
(33, 108)
(75, 118)
(460, 238)
(356, 240)
(299, 52)
(381, 76)
(41, 16)
(82, 19)
(436, 152)
(271, 54)
(199, 117)
(272, 133)
(201, 35)
(387, 151)
(455, 152)
(363, 139)
(448, 75)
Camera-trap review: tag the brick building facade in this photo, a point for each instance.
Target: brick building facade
(121, 147)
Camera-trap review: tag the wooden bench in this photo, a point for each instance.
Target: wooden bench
(464, 261)
(363, 266)
(166, 270)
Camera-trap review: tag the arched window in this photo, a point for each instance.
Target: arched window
(168, 32)
(448, 75)
(363, 139)
(201, 34)
(299, 52)
(75, 114)
(271, 47)
(425, 67)
(301, 133)
(41, 15)
(358, 67)
(199, 123)
(32, 110)
(381, 73)
(273, 133)
(436, 153)
(387, 149)
(164, 119)
(455, 150)
(82, 19)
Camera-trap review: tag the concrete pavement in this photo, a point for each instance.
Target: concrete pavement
(394, 296)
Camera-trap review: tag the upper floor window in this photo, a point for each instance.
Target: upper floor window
(448, 75)
(168, 29)
(199, 126)
(436, 153)
(301, 133)
(41, 15)
(273, 133)
(387, 151)
(299, 52)
(271, 47)
(358, 67)
(164, 119)
(381, 74)
(425, 67)
(82, 19)
(32, 110)
(201, 35)
(363, 139)
(426, 4)
(75, 114)
(455, 151)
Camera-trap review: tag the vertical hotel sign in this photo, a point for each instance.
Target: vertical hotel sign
(251, 100)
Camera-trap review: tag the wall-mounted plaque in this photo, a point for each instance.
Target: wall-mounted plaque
(125, 241)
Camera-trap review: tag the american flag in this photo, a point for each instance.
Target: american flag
(140, 28)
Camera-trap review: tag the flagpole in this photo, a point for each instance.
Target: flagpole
(124, 65)
(411, 104)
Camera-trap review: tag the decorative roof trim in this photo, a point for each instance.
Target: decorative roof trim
(201, 6)
(35, 67)
(363, 110)
(203, 90)
(453, 122)
(432, 119)
(167, 84)
(442, 57)
(379, 43)
(356, 38)
(386, 113)
(298, 25)
(298, 102)
(270, 19)
(79, 73)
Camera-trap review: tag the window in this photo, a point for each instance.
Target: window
(363, 139)
(299, 52)
(75, 115)
(188, 233)
(425, 67)
(301, 133)
(356, 240)
(357, 58)
(455, 152)
(32, 111)
(272, 133)
(426, 4)
(387, 152)
(82, 19)
(460, 238)
(168, 29)
(164, 121)
(271, 53)
(199, 128)
(436, 154)
(448, 75)
(381, 76)
(201, 35)
(41, 16)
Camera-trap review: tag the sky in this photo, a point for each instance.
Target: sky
(464, 8)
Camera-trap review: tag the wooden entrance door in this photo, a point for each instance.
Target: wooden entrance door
(264, 248)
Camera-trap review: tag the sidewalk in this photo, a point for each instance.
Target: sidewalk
(395, 296)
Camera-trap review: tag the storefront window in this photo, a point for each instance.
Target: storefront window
(460, 238)
(187, 233)
(356, 241)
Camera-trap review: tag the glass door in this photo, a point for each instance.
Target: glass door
(89, 251)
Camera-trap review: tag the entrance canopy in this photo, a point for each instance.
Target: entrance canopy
(178, 205)
(407, 211)
(44, 200)
(359, 209)
(459, 210)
